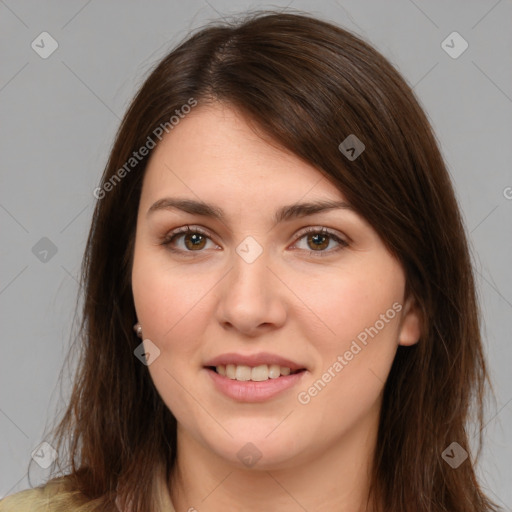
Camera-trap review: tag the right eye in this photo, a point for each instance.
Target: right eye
(187, 239)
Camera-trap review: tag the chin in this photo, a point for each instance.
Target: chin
(257, 450)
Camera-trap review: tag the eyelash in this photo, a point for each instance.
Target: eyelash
(170, 237)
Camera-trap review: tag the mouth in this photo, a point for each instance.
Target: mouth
(254, 377)
(260, 373)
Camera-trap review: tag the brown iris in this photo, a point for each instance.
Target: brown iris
(320, 241)
(194, 241)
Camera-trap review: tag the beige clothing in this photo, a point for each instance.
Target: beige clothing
(49, 499)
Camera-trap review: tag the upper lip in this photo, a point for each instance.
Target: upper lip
(254, 360)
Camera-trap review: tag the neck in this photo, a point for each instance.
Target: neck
(336, 479)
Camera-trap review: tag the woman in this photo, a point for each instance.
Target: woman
(279, 307)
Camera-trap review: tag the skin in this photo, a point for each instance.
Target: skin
(290, 301)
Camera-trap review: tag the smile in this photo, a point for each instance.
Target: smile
(244, 389)
(258, 373)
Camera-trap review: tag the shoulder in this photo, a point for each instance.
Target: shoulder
(52, 497)
(58, 496)
(30, 500)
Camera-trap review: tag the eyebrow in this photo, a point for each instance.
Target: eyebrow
(284, 213)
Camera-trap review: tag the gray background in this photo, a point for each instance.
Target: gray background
(59, 116)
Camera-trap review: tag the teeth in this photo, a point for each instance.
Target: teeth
(274, 371)
(243, 373)
(230, 371)
(256, 374)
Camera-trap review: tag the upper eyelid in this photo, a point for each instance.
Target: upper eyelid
(183, 230)
(320, 229)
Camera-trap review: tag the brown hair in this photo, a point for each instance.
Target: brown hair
(307, 85)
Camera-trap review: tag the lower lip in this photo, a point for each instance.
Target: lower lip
(251, 391)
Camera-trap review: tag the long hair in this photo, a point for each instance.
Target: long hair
(306, 85)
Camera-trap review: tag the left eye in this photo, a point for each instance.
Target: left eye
(321, 241)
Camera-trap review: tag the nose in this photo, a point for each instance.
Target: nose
(252, 298)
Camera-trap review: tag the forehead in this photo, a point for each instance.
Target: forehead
(214, 152)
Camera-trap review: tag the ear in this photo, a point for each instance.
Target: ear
(410, 330)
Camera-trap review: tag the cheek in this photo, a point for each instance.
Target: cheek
(171, 305)
(360, 311)
(343, 304)
(173, 310)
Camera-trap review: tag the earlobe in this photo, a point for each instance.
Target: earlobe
(138, 329)
(410, 330)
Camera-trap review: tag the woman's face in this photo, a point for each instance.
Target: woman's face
(256, 291)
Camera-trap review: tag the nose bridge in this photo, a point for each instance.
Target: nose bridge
(250, 274)
(250, 296)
